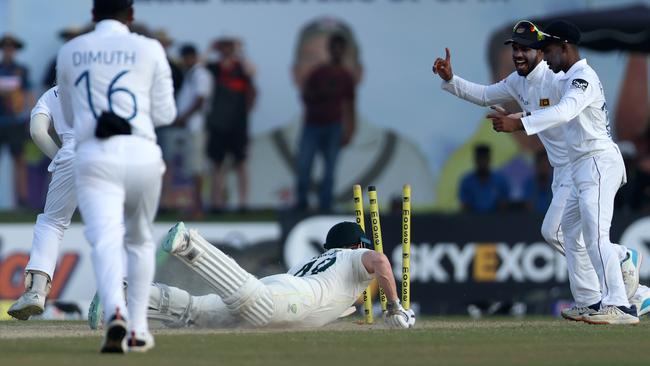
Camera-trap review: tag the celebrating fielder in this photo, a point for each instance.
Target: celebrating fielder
(532, 86)
(313, 293)
(597, 168)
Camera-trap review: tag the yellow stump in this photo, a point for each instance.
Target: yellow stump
(406, 247)
(376, 234)
(358, 214)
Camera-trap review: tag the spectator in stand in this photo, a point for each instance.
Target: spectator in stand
(328, 95)
(227, 123)
(483, 191)
(537, 188)
(193, 103)
(65, 34)
(376, 155)
(16, 101)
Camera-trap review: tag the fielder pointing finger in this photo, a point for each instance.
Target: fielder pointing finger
(532, 86)
(597, 168)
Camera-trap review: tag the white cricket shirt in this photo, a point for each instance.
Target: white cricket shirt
(582, 111)
(336, 278)
(112, 69)
(532, 92)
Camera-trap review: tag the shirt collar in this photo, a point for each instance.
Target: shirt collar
(574, 68)
(537, 72)
(111, 26)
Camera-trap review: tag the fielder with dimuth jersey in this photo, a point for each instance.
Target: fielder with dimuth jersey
(596, 164)
(313, 293)
(532, 85)
(60, 204)
(115, 88)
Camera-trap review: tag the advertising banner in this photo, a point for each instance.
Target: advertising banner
(462, 260)
(74, 279)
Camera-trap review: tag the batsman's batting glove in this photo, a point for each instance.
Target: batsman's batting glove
(396, 316)
(411, 314)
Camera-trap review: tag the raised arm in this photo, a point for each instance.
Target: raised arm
(479, 94)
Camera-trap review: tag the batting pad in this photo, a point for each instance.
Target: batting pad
(242, 293)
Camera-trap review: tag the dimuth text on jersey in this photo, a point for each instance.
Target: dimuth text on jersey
(103, 57)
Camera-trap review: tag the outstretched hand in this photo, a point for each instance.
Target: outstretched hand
(443, 67)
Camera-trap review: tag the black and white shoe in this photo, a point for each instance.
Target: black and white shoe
(115, 337)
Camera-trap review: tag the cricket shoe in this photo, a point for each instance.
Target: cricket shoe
(630, 269)
(140, 342)
(178, 242)
(96, 310)
(177, 239)
(115, 337)
(612, 314)
(32, 302)
(577, 313)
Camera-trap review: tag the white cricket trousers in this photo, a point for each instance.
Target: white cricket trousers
(583, 279)
(590, 208)
(118, 187)
(60, 203)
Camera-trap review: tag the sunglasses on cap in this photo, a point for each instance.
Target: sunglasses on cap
(546, 35)
(541, 35)
(531, 27)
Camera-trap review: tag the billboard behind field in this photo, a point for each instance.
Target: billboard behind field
(74, 279)
(409, 130)
(459, 261)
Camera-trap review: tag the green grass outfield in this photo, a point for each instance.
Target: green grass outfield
(435, 341)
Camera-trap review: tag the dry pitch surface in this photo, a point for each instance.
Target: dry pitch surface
(435, 341)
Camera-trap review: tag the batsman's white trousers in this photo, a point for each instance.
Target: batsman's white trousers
(60, 203)
(118, 187)
(589, 208)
